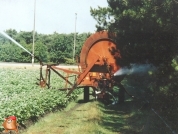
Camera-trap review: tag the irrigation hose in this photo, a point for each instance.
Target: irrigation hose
(173, 132)
(120, 85)
(112, 96)
(163, 121)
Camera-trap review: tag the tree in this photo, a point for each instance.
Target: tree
(80, 40)
(145, 29)
(146, 32)
(54, 48)
(41, 51)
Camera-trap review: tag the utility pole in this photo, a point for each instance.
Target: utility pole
(33, 34)
(74, 37)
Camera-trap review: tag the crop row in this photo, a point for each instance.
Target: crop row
(20, 96)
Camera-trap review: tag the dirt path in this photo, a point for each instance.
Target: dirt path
(28, 65)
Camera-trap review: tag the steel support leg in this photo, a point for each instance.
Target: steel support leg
(86, 93)
(121, 93)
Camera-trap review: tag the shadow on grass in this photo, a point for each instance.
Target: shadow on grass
(133, 116)
(83, 101)
(128, 118)
(120, 118)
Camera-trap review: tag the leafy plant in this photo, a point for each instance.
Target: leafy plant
(20, 97)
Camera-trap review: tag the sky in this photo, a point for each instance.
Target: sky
(51, 16)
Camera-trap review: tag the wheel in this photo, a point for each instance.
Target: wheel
(86, 94)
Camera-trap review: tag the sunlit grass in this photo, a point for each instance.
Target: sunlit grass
(83, 119)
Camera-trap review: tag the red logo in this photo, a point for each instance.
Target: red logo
(10, 124)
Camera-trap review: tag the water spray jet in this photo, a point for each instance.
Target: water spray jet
(8, 37)
(19, 45)
(134, 69)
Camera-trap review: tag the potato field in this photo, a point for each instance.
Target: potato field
(20, 96)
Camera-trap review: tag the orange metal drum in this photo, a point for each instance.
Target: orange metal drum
(100, 44)
(99, 59)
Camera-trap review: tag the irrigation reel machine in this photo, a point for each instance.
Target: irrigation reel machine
(98, 62)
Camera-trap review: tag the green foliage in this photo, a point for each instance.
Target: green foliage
(147, 32)
(54, 48)
(20, 97)
(145, 29)
(69, 61)
(175, 63)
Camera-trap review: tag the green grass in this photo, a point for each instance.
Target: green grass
(96, 118)
(77, 118)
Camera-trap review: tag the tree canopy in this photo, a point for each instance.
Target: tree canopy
(54, 48)
(145, 29)
(147, 32)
